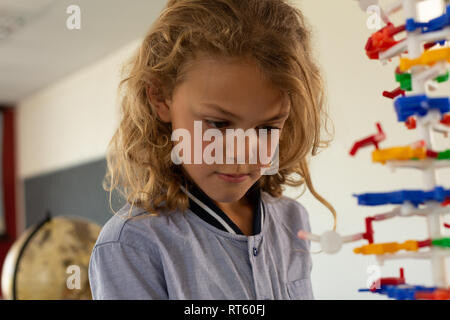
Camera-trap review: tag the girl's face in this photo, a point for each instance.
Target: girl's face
(224, 95)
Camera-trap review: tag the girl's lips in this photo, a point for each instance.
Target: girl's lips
(236, 178)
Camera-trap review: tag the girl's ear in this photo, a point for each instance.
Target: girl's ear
(160, 106)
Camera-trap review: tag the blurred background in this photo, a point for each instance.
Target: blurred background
(59, 110)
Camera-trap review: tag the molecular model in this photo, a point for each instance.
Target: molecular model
(424, 56)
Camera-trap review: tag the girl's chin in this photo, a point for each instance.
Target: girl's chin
(227, 194)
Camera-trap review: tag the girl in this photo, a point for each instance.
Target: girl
(202, 230)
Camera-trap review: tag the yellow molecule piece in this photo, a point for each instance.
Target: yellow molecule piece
(429, 57)
(398, 153)
(388, 247)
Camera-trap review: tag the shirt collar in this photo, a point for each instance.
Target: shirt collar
(205, 208)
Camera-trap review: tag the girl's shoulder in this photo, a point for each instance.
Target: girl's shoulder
(136, 227)
(288, 211)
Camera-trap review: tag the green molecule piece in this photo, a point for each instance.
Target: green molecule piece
(444, 155)
(442, 78)
(443, 242)
(405, 80)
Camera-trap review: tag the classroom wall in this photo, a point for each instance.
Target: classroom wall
(63, 132)
(70, 123)
(355, 85)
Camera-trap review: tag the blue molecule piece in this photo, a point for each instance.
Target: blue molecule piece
(401, 291)
(419, 105)
(435, 24)
(407, 292)
(416, 197)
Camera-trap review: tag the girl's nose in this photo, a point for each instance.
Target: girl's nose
(241, 147)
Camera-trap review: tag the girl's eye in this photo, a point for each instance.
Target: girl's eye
(217, 124)
(223, 124)
(269, 128)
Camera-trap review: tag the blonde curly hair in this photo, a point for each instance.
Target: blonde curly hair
(272, 32)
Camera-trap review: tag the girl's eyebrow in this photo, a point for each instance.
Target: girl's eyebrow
(232, 115)
(221, 110)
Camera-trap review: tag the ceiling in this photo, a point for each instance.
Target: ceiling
(37, 48)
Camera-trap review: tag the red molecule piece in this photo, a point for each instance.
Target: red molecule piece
(432, 154)
(446, 119)
(388, 281)
(424, 243)
(429, 45)
(373, 139)
(438, 294)
(410, 123)
(382, 40)
(368, 235)
(392, 94)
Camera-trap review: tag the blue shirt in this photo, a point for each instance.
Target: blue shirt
(201, 254)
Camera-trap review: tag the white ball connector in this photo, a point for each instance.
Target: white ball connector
(331, 241)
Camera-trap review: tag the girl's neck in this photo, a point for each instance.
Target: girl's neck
(241, 208)
(241, 213)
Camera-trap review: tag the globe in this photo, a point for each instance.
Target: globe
(50, 261)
